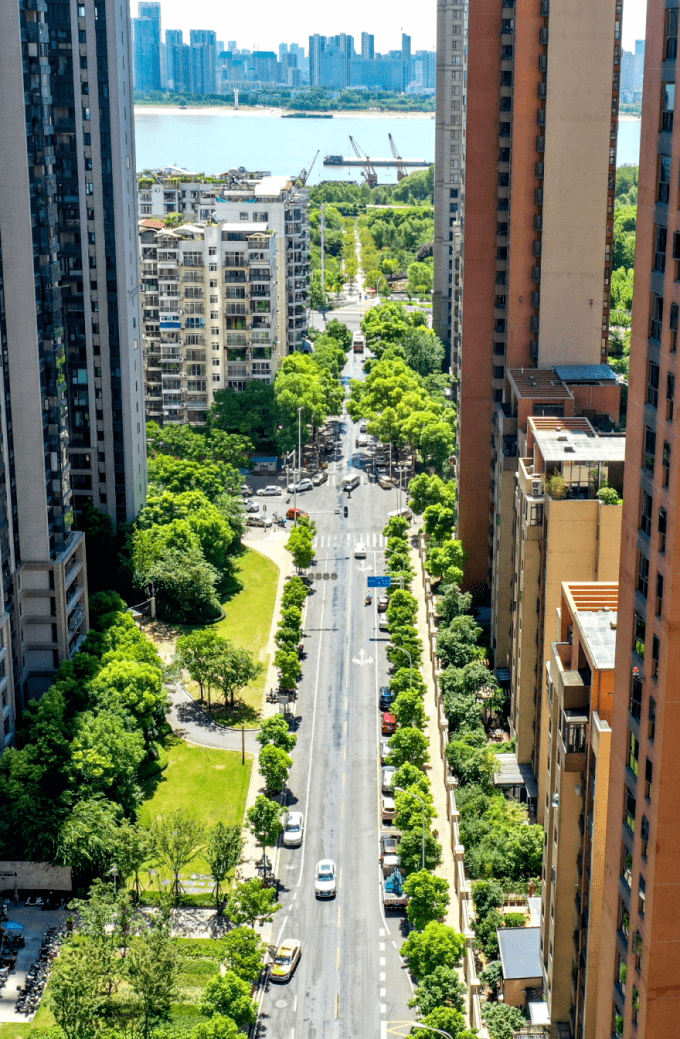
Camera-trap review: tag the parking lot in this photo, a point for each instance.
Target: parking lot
(35, 923)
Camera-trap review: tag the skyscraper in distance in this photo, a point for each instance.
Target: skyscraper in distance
(202, 60)
(177, 61)
(367, 46)
(317, 45)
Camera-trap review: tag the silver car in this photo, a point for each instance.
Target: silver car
(387, 782)
(325, 879)
(269, 492)
(294, 829)
(303, 485)
(251, 506)
(258, 521)
(319, 478)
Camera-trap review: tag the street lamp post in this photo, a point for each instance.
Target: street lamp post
(422, 801)
(429, 1028)
(410, 666)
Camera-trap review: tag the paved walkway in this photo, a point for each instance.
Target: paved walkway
(193, 723)
(437, 768)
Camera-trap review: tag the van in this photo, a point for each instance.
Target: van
(350, 482)
(389, 810)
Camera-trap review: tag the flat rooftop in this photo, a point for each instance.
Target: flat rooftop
(564, 444)
(543, 383)
(585, 373)
(600, 636)
(520, 952)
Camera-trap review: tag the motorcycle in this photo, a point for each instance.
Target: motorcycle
(369, 599)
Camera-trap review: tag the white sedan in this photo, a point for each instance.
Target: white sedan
(359, 550)
(303, 485)
(293, 830)
(269, 492)
(325, 881)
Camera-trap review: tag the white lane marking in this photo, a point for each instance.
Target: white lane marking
(382, 946)
(294, 895)
(294, 1008)
(383, 976)
(383, 1030)
(382, 933)
(382, 961)
(383, 1008)
(394, 943)
(383, 993)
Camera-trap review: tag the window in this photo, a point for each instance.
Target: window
(662, 530)
(656, 321)
(656, 648)
(649, 776)
(629, 810)
(652, 384)
(646, 513)
(660, 251)
(670, 396)
(627, 866)
(673, 323)
(644, 835)
(633, 752)
(651, 715)
(659, 594)
(642, 895)
(664, 179)
(650, 450)
(624, 920)
(639, 632)
(666, 463)
(671, 34)
(636, 946)
(621, 972)
(643, 574)
(667, 106)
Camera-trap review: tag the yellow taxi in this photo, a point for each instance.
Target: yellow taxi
(286, 960)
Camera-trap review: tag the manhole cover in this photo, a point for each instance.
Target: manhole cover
(334, 577)
(326, 577)
(318, 576)
(281, 1004)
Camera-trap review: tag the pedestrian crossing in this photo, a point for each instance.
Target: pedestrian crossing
(370, 540)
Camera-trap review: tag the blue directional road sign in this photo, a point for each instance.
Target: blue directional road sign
(380, 582)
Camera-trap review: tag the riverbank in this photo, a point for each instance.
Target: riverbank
(258, 110)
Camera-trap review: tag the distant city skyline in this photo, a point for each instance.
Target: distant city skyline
(296, 25)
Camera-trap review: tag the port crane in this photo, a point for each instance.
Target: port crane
(370, 176)
(306, 174)
(401, 169)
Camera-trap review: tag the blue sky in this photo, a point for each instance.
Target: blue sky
(264, 25)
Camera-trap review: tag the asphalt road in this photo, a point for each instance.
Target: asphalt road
(350, 982)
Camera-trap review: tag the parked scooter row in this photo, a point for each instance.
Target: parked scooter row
(28, 999)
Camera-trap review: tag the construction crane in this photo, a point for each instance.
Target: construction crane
(306, 174)
(370, 176)
(401, 169)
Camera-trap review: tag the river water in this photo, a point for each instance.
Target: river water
(211, 142)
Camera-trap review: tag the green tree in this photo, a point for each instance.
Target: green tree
(251, 901)
(106, 755)
(457, 644)
(471, 764)
(234, 669)
(411, 850)
(132, 851)
(196, 653)
(492, 975)
(178, 839)
(428, 898)
(442, 988)
(299, 545)
(264, 820)
(423, 351)
(487, 895)
(440, 522)
(125, 685)
(275, 766)
(451, 1021)
(410, 810)
(503, 1020)
(446, 561)
(184, 582)
(451, 603)
(436, 945)
(288, 664)
(294, 593)
(275, 730)
(217, 1027)
(243, 953)
(425, 490)
(88, 834)
(152, 969)
(252, 411)
(223, 854)
(228, 994)
(409, 744)
(409, 710)
(74, 996)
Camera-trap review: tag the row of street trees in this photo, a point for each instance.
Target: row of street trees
(289, 631)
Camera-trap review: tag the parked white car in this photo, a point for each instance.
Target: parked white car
(303, 485)
(269, 492)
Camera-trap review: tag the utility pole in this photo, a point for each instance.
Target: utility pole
(323, 251)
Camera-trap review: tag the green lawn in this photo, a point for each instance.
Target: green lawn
(212, 784)
(249, 612)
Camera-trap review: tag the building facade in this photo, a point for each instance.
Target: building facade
(177, 61)
(540, 167)
(202, 61)
(639, 991)
(278, 202)
(580, 694)
(210, 313)
(449, 176)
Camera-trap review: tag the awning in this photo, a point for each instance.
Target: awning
(510, 773)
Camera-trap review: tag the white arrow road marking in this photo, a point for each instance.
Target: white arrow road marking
(363, 568)
(362, 659)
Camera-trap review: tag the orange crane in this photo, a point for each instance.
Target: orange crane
(401, 169)
(367, 168)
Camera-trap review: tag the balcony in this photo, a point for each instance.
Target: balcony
(573, 739)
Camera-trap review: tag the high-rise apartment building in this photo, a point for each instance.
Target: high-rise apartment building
(367, 46)
(147, 47)
(210, 303)
(177, 61)
(540, 167)
(449, 177)
(317, 45)
(203, 61)
(639, 990)
(72, 378)
(425, 69)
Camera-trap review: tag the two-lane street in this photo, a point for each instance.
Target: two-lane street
(350, 981)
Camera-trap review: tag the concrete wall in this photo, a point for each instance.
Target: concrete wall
(35, 876)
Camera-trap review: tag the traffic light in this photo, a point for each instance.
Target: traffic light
(345, 512)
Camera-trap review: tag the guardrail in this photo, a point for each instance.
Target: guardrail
(462, 884)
